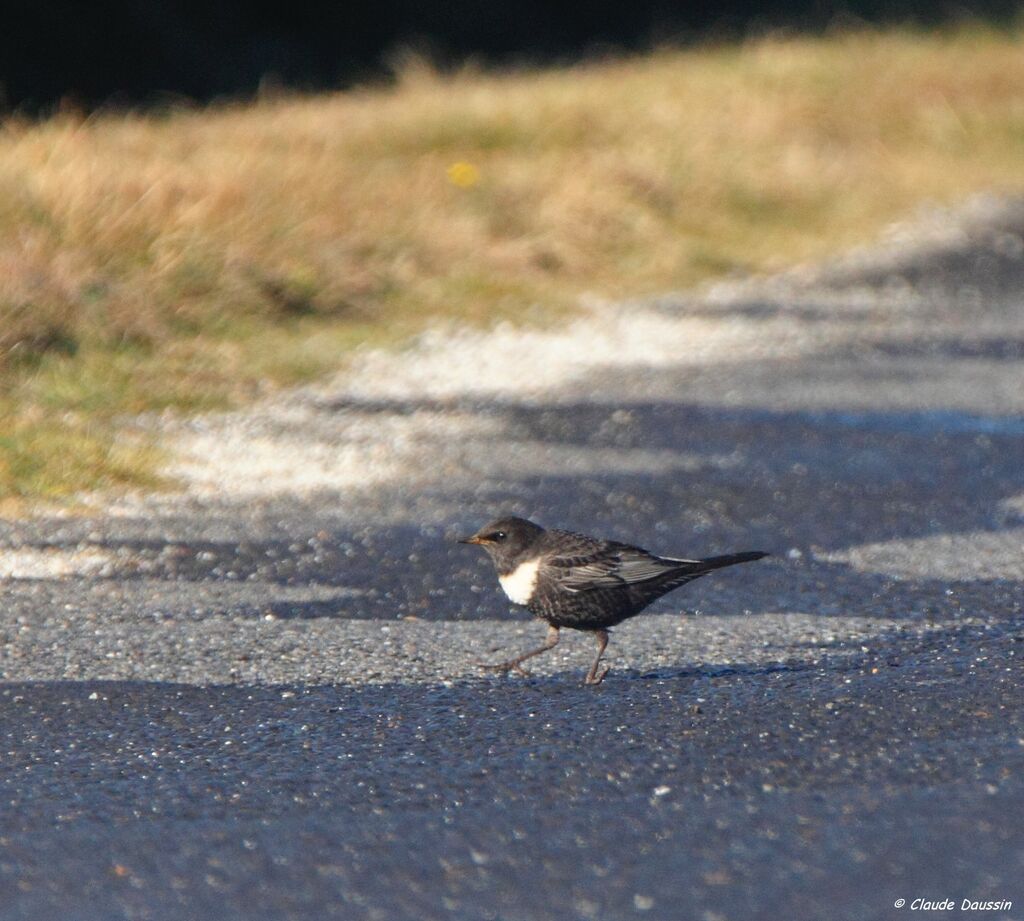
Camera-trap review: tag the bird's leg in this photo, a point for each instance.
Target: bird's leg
(602, 642)
(515, 665)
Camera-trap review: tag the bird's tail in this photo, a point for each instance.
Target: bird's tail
(730, 559)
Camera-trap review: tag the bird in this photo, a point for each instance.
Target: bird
(582, 583)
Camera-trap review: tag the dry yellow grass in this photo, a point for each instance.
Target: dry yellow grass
(180, 260)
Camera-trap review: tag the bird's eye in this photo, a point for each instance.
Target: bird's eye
(499, 535)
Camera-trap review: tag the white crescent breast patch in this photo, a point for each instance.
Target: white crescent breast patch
(520, 583)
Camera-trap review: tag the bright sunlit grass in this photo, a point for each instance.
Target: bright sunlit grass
(186, 260)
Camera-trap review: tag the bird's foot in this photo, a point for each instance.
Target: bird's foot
(504, 668)
(597, 678)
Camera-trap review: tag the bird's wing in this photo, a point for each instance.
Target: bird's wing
(595, 564)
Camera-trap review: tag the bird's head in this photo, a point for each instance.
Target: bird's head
(506, 540)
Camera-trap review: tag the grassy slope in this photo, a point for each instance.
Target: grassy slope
(186, 260)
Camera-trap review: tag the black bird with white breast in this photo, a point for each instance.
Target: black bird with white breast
(583, 583)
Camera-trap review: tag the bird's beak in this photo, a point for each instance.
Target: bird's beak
(475, 539)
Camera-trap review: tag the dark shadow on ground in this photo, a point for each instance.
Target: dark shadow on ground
(107, 749)
(895, 767)
(814, 481)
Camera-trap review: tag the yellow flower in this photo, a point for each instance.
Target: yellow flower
(463, 174)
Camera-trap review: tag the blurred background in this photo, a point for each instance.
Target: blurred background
(148, 50)
(200, 202)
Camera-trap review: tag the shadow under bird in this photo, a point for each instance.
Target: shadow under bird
(583, 583)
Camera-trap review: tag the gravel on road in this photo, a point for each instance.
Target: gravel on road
(257, 698)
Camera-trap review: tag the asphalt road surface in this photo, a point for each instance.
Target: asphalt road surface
(259, 698)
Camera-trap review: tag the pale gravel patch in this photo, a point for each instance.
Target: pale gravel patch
(1014, 505)
(302, 450)
(227, 650)
(53, 563)
(968, 556)
(528, 364)
(299, 449)
(248, 467)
